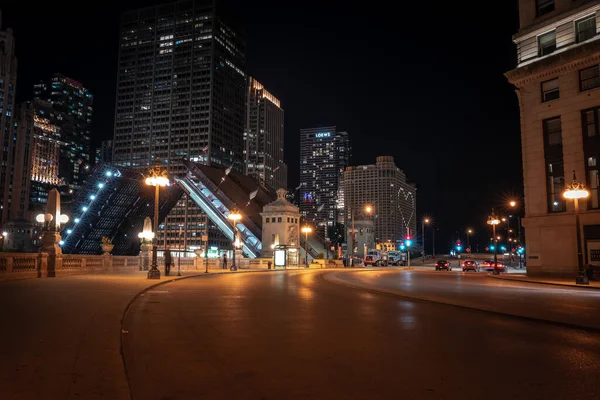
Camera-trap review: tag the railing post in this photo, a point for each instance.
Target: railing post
(9, 264)
(42, 265)
(108, 264)
(83, 263)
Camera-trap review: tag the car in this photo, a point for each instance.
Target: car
(443, 264)
(395, 257)
(470, 265)
(489, 266)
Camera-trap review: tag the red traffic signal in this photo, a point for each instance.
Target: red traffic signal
(487, 249)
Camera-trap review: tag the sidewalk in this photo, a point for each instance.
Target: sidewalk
(520, 277)
(60, 338)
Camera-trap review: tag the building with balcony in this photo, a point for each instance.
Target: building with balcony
(557, 81)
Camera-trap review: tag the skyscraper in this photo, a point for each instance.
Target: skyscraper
(104, 153)
(384, 187)
(264, 136)
(180, 93)
(557, 82)
(8, 85)
(46, 151)
(71, 111)
(324, 154)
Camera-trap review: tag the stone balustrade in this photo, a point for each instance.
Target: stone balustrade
(37, 265)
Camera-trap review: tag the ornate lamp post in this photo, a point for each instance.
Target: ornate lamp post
(306, 230)
(235, 216)
(575, 191)
(157, 179)
(493, 220)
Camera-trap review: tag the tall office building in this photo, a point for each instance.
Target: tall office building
(264, 136)
(384, 187)
(71, 111)
(180, 93)
(324, 154)
(104, 153)
(8, 86)
(557, 82)
(47, 151)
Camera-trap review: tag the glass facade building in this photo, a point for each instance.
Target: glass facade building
(324, 155)
(181, 93)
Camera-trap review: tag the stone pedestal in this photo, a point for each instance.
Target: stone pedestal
(145, 256)
(50, 240)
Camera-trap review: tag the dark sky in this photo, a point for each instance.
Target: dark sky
(422, 82)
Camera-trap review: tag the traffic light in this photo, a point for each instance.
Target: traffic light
(492, 248)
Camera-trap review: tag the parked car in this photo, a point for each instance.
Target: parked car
(470, 265)
(443, 264)
(395, 258)
(489, 266)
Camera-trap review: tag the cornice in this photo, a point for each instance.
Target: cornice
(570, 60)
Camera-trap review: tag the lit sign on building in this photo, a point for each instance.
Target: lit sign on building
(323, 134)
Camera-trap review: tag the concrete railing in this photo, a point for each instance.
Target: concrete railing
(41, 265)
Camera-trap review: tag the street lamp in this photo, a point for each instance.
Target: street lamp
(493, 221)
(367, 209)
(469, 232)
(235, 216)
(157, 179)
(423, 222)
(575, 191)
(306, 230)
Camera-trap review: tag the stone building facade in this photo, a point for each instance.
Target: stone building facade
(280, 225)
(557, 82)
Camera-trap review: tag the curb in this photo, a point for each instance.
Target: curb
(584, 287)
(591, 329)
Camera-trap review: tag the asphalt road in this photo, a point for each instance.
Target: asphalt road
(295, 335)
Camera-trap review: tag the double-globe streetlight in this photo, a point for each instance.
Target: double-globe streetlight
(493, 220)
(234, 216)
(575, 191)
(158, 178)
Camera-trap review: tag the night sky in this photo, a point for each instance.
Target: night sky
(419, 82)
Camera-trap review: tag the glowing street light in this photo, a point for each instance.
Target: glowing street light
(158, 178)
(306, 230)
(575, 191)
(235, 216)
(493, 221)
(424, 221)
